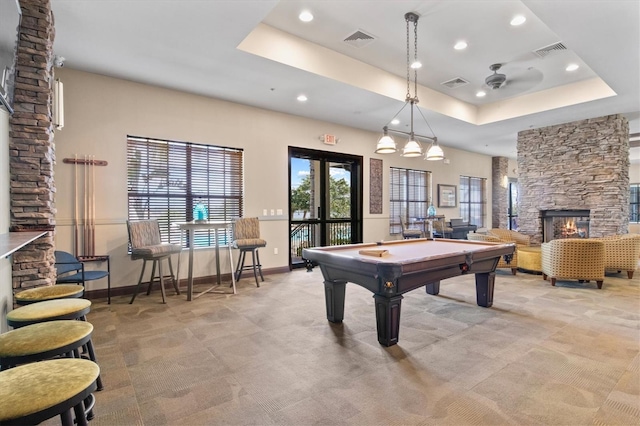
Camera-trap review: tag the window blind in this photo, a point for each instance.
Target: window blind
(408, 196)
(166, 179)
(634, 203)
(473, 200)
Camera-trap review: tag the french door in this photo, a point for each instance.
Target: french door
(325, 200)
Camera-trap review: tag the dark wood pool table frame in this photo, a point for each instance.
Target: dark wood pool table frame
(409, 264)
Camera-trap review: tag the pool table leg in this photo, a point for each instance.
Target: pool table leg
(484, 288)
(334, 297)
(388, 318)
(433, 288)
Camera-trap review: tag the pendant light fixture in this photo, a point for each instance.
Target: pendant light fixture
(386, 144)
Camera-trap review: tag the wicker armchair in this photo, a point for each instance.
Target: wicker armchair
(621, 252)
(581, 259)
(508, 235)
(505, 261)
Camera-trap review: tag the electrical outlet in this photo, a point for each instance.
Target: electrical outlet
(264, 212)
(273, 212)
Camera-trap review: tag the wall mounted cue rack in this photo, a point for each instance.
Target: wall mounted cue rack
(85, 161)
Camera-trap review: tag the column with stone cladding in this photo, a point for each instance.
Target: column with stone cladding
(31, 146)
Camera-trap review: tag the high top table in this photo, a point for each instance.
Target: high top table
(215, 226)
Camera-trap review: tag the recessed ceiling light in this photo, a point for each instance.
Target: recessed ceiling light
(481, 94)
(518, 20)
(302, 98)
(305, 16)
(572, 67)
(395, 121)
(460, 45)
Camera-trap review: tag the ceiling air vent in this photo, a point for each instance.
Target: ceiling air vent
(359, 39)
(544, 51)
(455, 82)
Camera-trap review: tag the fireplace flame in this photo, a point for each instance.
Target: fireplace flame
(569, 228)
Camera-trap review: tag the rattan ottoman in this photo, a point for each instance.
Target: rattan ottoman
(530, 258)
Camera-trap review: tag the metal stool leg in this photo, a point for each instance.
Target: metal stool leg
(66, 418)
(153, 275)
(161, 280)
(240, 265)
(259, 264)
(92, 357)
(135, 293)
(255, 271)
(173, 277)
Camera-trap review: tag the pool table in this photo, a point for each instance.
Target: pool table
(392, 268)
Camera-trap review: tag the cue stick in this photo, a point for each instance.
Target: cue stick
(89, 224)
(85, 224)
(93, 205)
(76, 230)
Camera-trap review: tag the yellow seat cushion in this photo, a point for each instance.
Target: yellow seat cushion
(58, 291)
(530, 258)
(48, 310)
(42, 337)
(35, 387)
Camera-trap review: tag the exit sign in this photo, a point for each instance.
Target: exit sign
(329, 139)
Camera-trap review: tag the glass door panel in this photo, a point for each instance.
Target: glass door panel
(324, 202)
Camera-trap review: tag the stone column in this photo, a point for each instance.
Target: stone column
(31, 146)
(499, 196)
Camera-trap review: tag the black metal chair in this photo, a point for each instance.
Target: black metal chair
(70, 270)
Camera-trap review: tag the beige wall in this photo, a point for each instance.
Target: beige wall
(6, 290)
(100, 111)
(634, 177)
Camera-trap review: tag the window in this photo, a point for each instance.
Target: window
(166, 179)
(409, 196)
(473, 200)
(512, 211)
(634, 200)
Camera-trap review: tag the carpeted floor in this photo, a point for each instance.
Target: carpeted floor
(542, 355)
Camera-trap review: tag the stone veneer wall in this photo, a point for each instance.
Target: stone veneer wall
(31, 147)
(499, 195)
(579, 165)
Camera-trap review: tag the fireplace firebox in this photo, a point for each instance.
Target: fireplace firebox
(558, 224)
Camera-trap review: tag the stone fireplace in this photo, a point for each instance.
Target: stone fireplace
(582, 165)
(557, 224)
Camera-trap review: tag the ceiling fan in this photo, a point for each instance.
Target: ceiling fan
(495, 80)
(522, 78)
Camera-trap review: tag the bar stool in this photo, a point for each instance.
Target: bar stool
(146, 244)
(48, 310)
(51, 310)
(33, 393)
(246, 234)
(37, 342)
(46, 340)
(40, 294)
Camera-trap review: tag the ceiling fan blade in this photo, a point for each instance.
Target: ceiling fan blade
(522, 81)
